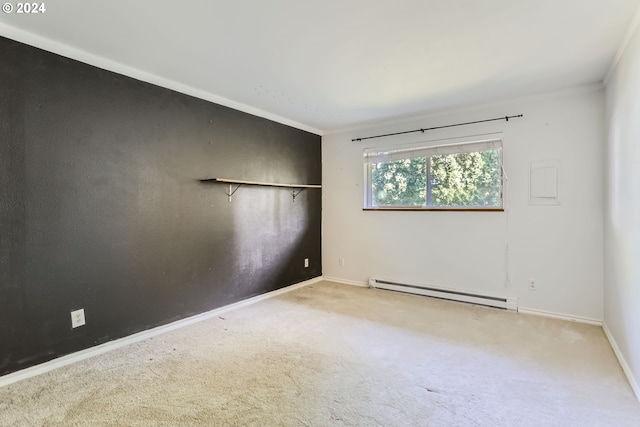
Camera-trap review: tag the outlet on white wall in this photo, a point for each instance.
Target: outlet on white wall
(341, 261)
(77, 318)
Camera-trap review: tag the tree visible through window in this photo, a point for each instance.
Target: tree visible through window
(465, 175)
(399, 183)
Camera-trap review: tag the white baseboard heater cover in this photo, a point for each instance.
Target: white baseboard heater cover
(506, 303)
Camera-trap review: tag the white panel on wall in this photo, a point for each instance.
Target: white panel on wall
(543, 183)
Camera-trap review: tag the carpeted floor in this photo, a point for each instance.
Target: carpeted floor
(336, 355)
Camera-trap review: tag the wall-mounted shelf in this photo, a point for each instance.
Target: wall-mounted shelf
(238, 183)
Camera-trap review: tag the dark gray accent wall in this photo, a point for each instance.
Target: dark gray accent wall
(101, 206)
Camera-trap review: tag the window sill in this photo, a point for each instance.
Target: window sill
(436, 209)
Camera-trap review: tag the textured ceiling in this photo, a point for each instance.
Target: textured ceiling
(331, 64)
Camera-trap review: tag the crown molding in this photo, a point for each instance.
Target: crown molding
(470, 108)
(67, 51)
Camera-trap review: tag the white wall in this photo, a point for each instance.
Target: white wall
(559, 246)
(622, 210)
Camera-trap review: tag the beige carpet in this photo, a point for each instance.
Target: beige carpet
(335, 355)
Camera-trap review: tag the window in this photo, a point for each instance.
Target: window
(461, 174)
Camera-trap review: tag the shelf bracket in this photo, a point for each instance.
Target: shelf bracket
(295, 193)
(296, 189)
(231, 193)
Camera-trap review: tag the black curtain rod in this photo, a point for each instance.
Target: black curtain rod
(438, 127)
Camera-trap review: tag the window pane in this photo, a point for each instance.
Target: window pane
(466, 179)
(399, 183)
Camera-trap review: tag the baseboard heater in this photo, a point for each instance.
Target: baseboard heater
(444, 293)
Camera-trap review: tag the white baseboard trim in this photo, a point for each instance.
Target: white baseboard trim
(524, 310)
(345, 281)
(623, 362)
(560, 316)
(143, 335)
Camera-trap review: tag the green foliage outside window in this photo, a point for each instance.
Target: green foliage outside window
(456, 180)
(399, 183)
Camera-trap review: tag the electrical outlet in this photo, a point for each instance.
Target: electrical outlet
(341, 261)
(77, 318)
(306, 262)
(532, 284)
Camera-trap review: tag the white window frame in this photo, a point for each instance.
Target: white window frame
(467, 144)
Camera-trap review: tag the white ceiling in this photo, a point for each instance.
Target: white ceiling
(330, 64)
